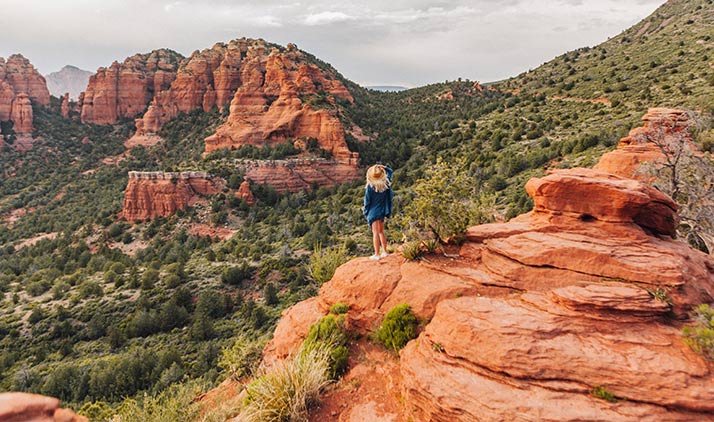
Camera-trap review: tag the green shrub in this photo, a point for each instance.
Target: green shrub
(324, 262)
(700, 337)
(236, 275)
(285, 391)
(441, 204)
(339, 308)
(602, 393)
(399, 326)
(242, 358)
(177, 403)
(330, 333)
(412, 250)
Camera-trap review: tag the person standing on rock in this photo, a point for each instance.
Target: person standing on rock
(378, 205)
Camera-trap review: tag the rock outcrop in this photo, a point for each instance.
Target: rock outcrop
(301, 174)
(660, 125)
(160, 194)
(537, 313)
(123, 90)
(20, 85)
(245, 193)
(21, 114)
(283, 97)
(64, 105)
(23, 407)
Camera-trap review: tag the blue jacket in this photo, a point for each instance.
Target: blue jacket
(378, 205)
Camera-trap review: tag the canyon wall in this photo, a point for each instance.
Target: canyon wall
(295, 175)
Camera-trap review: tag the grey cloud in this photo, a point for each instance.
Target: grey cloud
(406, 42)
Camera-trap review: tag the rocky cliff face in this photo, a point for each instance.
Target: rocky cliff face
(20, 83)
(123, 90)
(283, 97)
(658, 125)
(296, 175)
(206, 79)
(22, 407)
(159, 194)
(534, 314)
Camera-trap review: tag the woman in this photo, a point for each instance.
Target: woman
(378, 205)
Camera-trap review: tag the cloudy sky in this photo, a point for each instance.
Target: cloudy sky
(373, 42)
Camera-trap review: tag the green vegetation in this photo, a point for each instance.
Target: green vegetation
(399, 326)
(339, 308)
(324, 262)
(285, 391)
(700, 337)
(329, 333)
(602, 393)
(99, 298)
(412, 250)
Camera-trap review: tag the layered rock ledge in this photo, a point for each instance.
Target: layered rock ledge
(534, 314)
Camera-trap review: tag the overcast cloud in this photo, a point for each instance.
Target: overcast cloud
(373, 42)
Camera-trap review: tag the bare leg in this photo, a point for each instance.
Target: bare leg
(382, 236)
(375, 236)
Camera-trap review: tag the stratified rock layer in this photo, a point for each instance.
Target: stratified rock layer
(23, 407)
(296, 175)
(658, 125)
(158, 194)
(123, 90)
(534, 314)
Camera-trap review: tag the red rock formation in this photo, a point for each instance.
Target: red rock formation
(20, 84)
(245, 193)
(283, 97)
(638, 147)
(23, 407)
(158, 194)
(21, 114)
(297, 175)
(125, 89)
(64, 106)
(537, 312)
(206, 79)
(19, 73)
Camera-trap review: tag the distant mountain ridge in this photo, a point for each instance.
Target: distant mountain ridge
(389, 88)
(68, 79)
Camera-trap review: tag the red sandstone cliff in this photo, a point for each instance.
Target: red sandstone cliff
(283, 97)
(640, 147)
(20, 83)
(158, 194)
(123, 90)
(533, 315)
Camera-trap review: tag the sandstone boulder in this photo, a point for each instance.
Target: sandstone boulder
(23, 407)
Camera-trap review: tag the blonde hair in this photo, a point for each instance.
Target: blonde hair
(377, 178)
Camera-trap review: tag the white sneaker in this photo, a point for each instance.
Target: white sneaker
(374, 257)
(384, 255)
